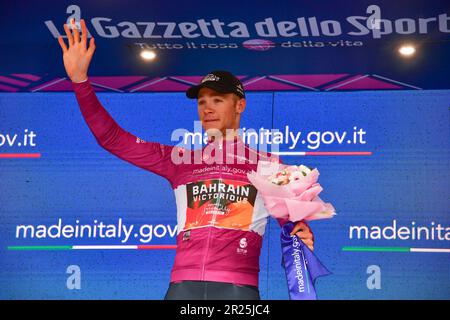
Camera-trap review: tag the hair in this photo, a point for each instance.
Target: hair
(236, 98)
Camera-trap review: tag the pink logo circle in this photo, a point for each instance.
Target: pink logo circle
(258, 44)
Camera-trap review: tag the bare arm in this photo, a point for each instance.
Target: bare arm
(151, 156)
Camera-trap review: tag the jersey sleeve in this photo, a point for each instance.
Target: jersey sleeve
(151, 156)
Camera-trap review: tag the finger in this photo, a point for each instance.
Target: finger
(62, 44)
(91, 48)
(300, 226)
(83, 33)
(309, 244)
(76, 33)
(303, 226)
(304, 235)
(69, 34)
(296, 229)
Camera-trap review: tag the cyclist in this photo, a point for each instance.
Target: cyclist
(221, 218)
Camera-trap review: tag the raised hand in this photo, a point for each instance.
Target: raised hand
(77, 57)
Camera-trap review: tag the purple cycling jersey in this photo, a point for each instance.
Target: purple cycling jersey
(220, 215)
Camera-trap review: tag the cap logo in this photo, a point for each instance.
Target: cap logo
(240, 89)
(210, 77)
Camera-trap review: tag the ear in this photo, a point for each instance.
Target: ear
(240, 105)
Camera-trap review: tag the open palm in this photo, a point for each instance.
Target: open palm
(77, 56)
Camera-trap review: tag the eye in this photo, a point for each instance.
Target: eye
(218, 100)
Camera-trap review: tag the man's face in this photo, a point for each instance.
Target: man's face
(219, 110)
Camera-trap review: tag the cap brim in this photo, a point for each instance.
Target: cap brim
(192, 92)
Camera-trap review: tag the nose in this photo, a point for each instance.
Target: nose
(208, 108)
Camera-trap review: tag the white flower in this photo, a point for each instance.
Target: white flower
(305, 169)
(288, 174)
(296, 175)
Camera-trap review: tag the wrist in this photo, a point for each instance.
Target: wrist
(79, 79)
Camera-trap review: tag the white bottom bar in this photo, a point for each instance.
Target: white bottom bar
(104, 247)
(428, 250)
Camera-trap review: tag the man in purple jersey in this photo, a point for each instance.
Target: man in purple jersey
(221, 217)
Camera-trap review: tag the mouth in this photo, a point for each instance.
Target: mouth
(210, 120)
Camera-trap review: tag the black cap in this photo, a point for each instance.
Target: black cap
(221, 81)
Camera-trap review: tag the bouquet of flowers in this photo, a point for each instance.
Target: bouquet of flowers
(290, 193)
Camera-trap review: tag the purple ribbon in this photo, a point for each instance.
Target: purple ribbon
(300, 264)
